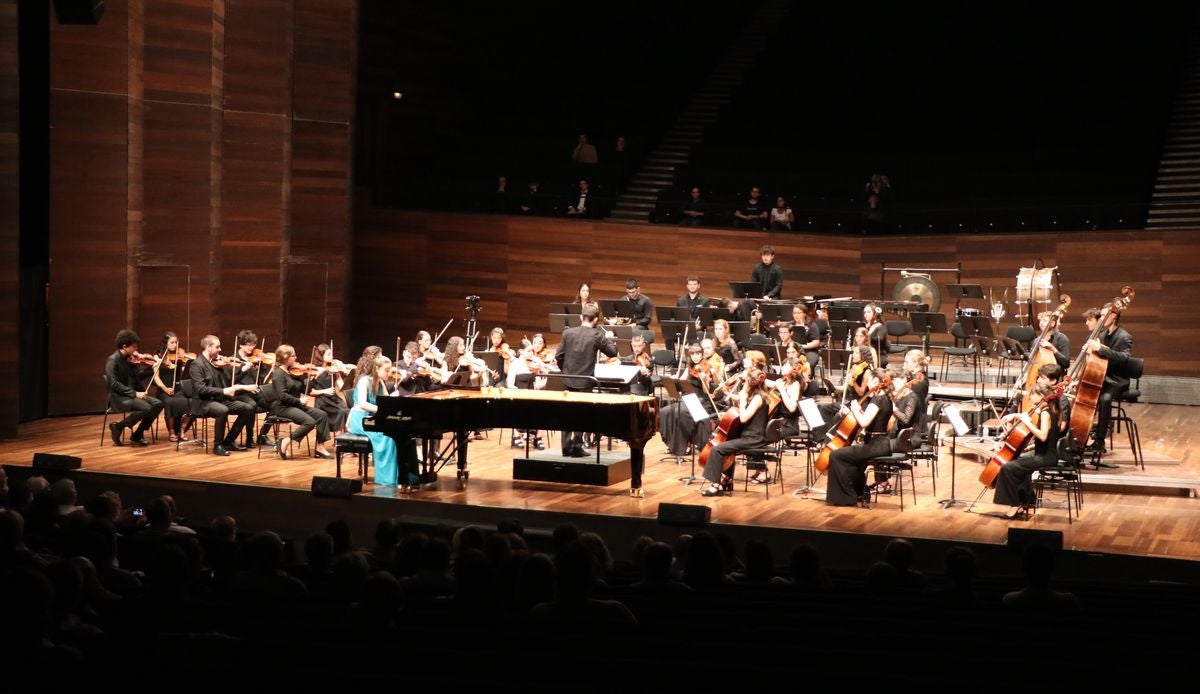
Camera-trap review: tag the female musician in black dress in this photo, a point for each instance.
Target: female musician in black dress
(1013, 488)
(751, 409)
(675, 423)
(326, 388)
(848, 465)
(724, 344)
(289, 406)
(165, 385)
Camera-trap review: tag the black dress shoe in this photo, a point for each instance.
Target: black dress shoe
(219, 450)
(138, 441)
(577, 453)
(114, 430)
(236, 447)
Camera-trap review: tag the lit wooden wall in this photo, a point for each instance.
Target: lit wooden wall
(200, 177)
(413, 270)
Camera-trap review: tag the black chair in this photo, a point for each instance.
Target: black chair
(969, 354)
(270, 393)
(770, 451)
(895, 464)
(895, 330)
(111, 409)
(1065, 477)
(930, 445)
(197, 413)
(356, 445)
(1134, 369)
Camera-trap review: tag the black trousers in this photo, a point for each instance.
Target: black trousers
(848, 470)
(220, 410)
(142, 412)
(1014, 482)
(307, 418)
(176, 406)
(1104, 409)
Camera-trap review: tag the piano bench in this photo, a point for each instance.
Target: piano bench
(353, 444)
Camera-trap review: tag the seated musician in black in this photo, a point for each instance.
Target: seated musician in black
(693, 300)
(751, 411)
(215, 387)
(788, 387)
(289, 405)
(1013, 488)
(1115, 344)
(853, 388)
(165, 383)
(643, 308)
(807, 332)
(639, 356)
(675, 423)
(326, 388)
(908, 411)
(125, 393)
(847, 465)
(252, 373)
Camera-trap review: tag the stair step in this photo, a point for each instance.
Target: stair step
(642, 207)
(1193, 186)
(1193, 194)
(638, 197)
(644, 191)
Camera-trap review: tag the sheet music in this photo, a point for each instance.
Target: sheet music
(955, 417)
(812, 414)
(694, 407)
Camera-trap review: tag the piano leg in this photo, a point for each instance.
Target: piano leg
(464, 474)
(637, 463)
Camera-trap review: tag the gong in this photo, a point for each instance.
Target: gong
(918, 288)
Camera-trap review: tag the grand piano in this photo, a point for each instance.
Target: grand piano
(633, 418)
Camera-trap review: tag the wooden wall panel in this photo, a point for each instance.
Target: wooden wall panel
(178, 49)
(10, 184)
(88, 245)
(325, 60)
(434, 259)
(93, 58)
(258, 55)
(254, 167)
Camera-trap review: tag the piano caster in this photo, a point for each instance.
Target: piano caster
(637, 493)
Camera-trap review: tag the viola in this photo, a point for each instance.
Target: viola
(1016, 440)
(846, 431)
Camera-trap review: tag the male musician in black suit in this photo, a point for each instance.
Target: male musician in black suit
(576, 356)
(1056, 343)
(693, 300)
(214, 386)
(1116, 345)
(785, 338)
(643, 308)
(768, 275)
(124, 394)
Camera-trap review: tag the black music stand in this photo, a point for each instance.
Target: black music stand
(672, 313)
(958, 292)
(838, 359)
(843, 330)
(978, 330)
(559, 322)
(677, 388)
(744, 290)
(673, 330)
(621, 332)
(842, 313)
(776, 313)
(926, 323)
(956, 426)
(561, 307)
(705, 314)
(740, 331)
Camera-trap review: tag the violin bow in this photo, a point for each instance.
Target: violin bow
(442, 332)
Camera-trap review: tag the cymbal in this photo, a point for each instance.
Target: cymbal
(917, 288)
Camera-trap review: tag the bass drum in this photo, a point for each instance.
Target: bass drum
(1036, 284)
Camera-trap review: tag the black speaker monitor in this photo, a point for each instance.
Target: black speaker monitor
(686, 515)
(343, 487)
(56, 461)
(79, 11)
(1020, 538)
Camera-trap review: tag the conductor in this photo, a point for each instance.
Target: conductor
(576, 356)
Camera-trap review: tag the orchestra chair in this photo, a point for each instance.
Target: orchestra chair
(930, 444)
(647, 335)
(356, 445)
(1133, 394)
(897, 329)
(112, 410)
(969, 354)
(1018, 340)
(270, 393)
(895, 464)
(1065, 477)
(200, 418)
(771, 451)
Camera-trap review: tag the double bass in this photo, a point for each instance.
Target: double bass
(1040, 356)
(1087, 373)
(846, 431)
(1016, 440)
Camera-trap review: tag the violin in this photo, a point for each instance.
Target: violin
(257, 356)
(141, 358)
(178, 357)
(847, 430)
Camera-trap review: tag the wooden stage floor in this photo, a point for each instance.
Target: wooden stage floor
(1123, 519)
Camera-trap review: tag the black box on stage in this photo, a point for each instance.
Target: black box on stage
(343, 487)
(684, 514)
(546, 466)
(1020, 538)
(56, 461)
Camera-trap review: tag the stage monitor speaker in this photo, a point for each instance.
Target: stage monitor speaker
(79, 11)
(685, 515)
(1020, 538)
(56, 462)
(343, 487)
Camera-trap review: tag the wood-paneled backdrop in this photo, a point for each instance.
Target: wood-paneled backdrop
(10, 219)
(413, 270)
(200, 178)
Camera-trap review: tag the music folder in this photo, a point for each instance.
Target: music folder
(625, 373)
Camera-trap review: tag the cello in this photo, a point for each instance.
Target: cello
(1041, 356)
(1016, 440)
(730, 424)
(847, 429)
(1088, 371)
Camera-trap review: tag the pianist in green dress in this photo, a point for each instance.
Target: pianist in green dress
(372, 373)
